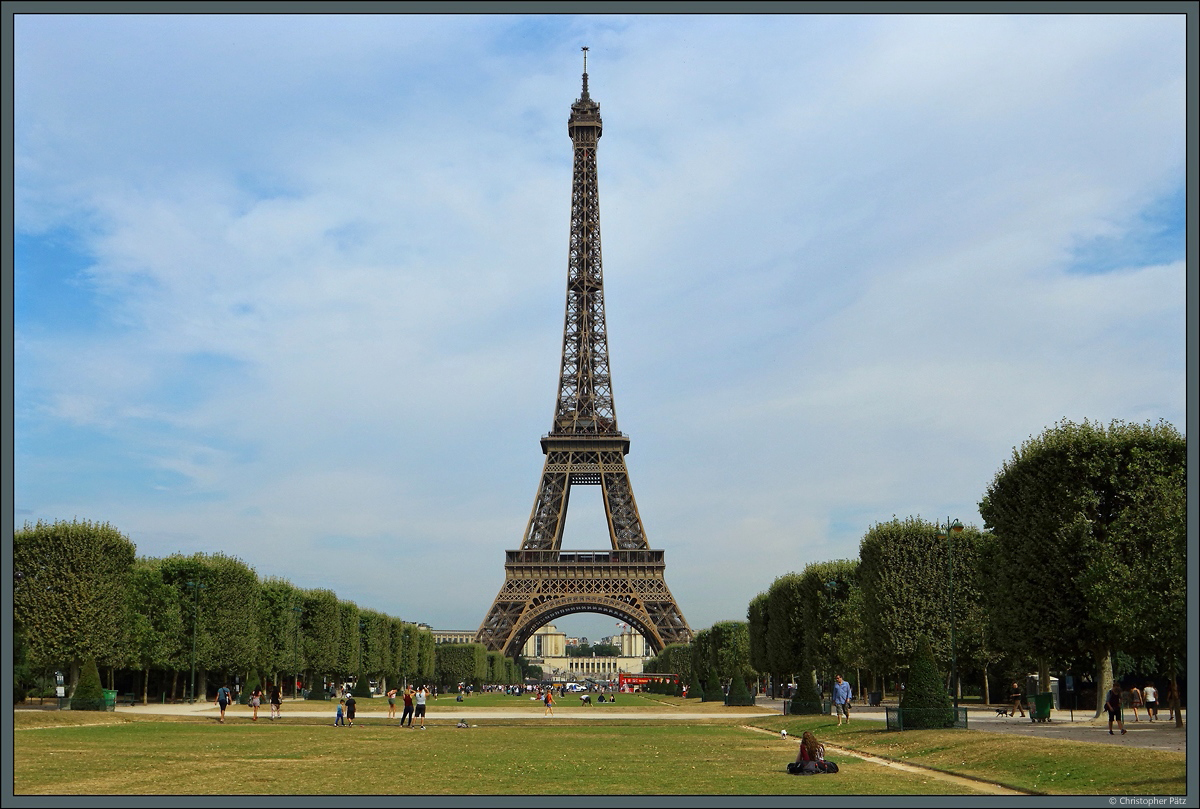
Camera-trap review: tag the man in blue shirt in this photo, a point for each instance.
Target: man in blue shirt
(223, 699)
(841, 699)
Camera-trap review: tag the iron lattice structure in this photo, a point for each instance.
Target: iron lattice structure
(584, 447)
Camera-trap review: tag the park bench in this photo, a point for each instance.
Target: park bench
(130, 699)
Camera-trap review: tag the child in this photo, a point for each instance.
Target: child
(340, 719)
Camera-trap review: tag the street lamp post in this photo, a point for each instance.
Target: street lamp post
(362, 625)
(947, 533)
(296, 651)
(195, 587)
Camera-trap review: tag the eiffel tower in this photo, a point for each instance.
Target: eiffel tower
(584, 448)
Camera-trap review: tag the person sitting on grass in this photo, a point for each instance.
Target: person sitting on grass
(811, 751)
(810, 758)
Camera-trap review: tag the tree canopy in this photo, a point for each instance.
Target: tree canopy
(1105, 505)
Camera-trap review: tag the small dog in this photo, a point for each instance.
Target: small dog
(1003, 712)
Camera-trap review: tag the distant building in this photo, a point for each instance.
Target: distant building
(546, 642)
(547, 648)
(453, 635)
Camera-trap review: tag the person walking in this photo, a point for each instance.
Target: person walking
(1014, 696)
(276, 704)
(422, 694)
(350, 710)
(841, 699)
(340, 717)
(1150, 694)
(548, 699)
(1135, 702)
(224, 697)
(255, 700)
(1113, 705)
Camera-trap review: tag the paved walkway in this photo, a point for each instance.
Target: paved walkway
(1161, 735)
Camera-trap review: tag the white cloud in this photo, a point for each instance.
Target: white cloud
(841, 276)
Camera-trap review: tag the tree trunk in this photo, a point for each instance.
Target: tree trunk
(1174, 694)
(74, 680)
(1043, 676)
(146, 686)
(1104, 679)
(987, 691)
(202, 685)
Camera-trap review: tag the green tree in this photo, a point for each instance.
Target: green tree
(495, 668)
(785, 629)
(219, 601)
(321, 628)
(426, 655)
(409, 662)
(70, 583)
(156, 621)
(904, 572)
(701, 658)
(280, 648)
(756, 621)
(731, 651)
(460, 663)
(676, 658)
(349, 643)
(713, 692)
(824, 604)
(853, 645)
(396, 635)
(1095, 501)
(376, 643)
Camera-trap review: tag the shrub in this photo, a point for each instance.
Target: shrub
(89, 696)
(806, 700)
(926, 703)
(362, 687)
(738, 693)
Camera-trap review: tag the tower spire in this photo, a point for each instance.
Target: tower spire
(585, 96)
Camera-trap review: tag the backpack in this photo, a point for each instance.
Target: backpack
(802, 767)
(827, 766)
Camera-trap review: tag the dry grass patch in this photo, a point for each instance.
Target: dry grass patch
(616, 757)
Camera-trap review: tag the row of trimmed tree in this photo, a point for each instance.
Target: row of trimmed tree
(1080, 568)
(81, 593)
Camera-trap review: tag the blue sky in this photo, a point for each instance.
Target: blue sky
(291, 287)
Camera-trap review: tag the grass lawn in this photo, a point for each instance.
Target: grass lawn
(1050, 766)
(100, 754)
(63, 754)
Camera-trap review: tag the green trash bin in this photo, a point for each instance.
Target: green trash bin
(110, 699)
(1039, 707)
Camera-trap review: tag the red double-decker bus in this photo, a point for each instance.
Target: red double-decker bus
(628, 682)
